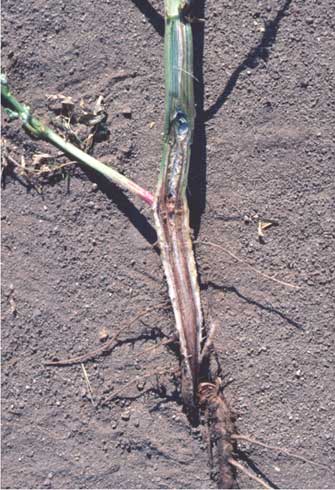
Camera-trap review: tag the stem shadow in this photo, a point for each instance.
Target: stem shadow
(123, 203)
(270, 309)
(259, 52)
(198, 163)
(154, 17)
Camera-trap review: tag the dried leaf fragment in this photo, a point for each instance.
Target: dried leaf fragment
(61, 104)
(264, 225)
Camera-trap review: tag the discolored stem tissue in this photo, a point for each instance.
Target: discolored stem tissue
(170, 206)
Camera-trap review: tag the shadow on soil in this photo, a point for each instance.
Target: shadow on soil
(260, 52)
(243, 456)
(250, 301)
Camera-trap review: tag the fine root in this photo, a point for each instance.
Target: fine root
(107, 345)
(157, 372)
(238, 259)
(251, 440)
(244, 470)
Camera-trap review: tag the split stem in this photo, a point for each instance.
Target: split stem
(171, 208)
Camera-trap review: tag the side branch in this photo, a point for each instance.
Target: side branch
(37, 129)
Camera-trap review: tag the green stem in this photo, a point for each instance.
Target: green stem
(38, 130)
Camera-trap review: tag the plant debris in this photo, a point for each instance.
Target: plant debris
(81, 124)
(264, 225)
(35, 170)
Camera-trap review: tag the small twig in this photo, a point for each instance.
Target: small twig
(288, 284)
(107, 345)
(50, 169)
(240, 467)
(88, 384)
(30, 172)
(11, 300)
(24, 172)
(277, 449)
(12, 161)
(262, 226)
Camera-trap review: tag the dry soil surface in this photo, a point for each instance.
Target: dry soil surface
(78, 258)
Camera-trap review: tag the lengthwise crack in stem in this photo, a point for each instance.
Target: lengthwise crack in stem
(170, 207)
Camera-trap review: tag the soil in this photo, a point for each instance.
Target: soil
(78, 259)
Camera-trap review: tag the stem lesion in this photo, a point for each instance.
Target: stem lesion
(171, 207)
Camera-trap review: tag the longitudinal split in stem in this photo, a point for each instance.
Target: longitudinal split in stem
(171, 207)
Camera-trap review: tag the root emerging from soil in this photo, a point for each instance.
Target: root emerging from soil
(221, 424)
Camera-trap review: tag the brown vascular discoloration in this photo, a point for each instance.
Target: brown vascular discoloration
(221, 429)
(176, 248)
(170, 207)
